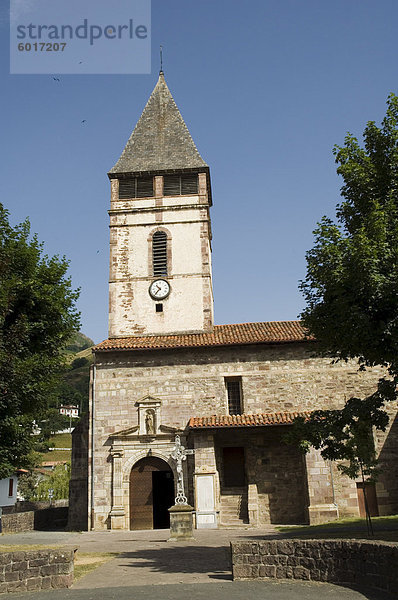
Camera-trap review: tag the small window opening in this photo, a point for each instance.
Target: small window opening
(234, 393)
(11, 487)
(159, 253)
(159, 307)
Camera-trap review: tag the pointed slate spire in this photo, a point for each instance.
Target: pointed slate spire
(161, 140)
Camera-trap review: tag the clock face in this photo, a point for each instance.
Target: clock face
(159, 289)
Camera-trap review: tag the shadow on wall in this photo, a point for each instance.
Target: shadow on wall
(388, 479)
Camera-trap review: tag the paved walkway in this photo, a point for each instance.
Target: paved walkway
(149, 567)
(238, 590)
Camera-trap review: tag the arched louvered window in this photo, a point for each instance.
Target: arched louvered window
(159, 253)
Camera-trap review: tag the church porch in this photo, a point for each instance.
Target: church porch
(256, 478)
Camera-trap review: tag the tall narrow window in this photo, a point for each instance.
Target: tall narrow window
(159, 253)
(234, 393)
(11, 487)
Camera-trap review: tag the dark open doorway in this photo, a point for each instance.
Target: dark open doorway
(163, 498)
(151, 494)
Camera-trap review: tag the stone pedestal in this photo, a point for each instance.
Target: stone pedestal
(181, 523)
(322, 507)
(322, 513)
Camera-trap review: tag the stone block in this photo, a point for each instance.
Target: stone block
(62, 581)
(63, 568)
(18, 556)
(285, 547)
(267, 571)
(301, 573)
(48, 570)
(20, 566)
(37, 562)
(16, 586)
(33, 583)
(242, 572)
(46, 583)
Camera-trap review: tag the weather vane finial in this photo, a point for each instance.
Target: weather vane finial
(161, 59)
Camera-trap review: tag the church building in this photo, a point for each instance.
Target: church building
(230, 392)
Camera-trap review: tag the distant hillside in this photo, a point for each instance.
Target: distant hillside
(78, 342)
(74, 388)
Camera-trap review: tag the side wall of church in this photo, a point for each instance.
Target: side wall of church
(191, 382)
(78, 485)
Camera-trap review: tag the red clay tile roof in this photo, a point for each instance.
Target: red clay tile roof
(271, 332)
(279, 418)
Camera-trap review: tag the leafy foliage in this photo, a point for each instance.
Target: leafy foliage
(58, 481)
(52, 423)
(352, 271)
(344, 435)
(37, 317)
(351, 292)
(27, 484)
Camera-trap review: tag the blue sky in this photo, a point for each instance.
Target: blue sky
(266, 88)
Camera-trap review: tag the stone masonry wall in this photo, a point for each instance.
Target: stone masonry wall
(36, 570)
(190, 382)
(275, 469)
(78, 485)
(18, 522)
(358, 562)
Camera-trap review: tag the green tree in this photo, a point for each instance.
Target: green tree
(52, 423)
(37, 317)
(352, 270)
(27, 484)
(351, 292)
(58, 481)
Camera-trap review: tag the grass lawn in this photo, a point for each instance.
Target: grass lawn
(385, 528)
(56, 455)
(85, 562)
(26, 547)
(61, 440)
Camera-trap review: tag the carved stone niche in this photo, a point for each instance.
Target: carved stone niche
(149, 416)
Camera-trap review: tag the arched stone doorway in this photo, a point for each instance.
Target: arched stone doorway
(151, 494)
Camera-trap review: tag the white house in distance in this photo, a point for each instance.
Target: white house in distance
(69, 411)
(8, 489)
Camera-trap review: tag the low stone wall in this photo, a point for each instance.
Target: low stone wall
(45, 519)
(26, 505)
(36, 570)
(358, 562)
(18, 522)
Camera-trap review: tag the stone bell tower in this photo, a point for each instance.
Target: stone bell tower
(160, 235)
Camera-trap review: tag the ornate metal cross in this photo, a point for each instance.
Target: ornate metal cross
(179, 454)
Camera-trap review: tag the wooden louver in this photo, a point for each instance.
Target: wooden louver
(180, 185)
(136, 187)
(159, 253)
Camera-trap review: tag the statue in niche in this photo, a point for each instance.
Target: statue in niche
(149, 422)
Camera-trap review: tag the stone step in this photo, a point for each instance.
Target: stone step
(233, 507)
